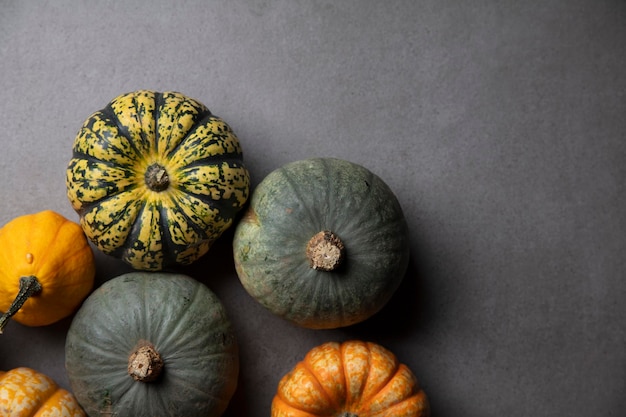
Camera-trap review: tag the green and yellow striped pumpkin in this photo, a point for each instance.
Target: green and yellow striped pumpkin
(156, 179)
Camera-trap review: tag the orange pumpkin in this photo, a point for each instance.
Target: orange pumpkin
(25, 393)
(350, 379)
(47, 269)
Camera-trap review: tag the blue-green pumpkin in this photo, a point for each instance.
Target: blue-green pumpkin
(324, 243)
(152, 345)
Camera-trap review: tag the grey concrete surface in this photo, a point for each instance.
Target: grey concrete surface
(499, 124)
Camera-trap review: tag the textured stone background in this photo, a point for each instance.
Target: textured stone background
(499, 124)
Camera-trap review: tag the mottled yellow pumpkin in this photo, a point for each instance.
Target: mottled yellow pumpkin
(25, 392)
(156, 178)
(350, 379)
(47, 269)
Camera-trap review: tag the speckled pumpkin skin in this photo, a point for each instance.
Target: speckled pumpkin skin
(122, 212)
(25, 392)
(301, 199)
(350, 379)
(186, 324)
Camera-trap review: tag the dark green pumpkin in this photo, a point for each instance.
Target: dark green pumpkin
(151, 345)
(323, 243)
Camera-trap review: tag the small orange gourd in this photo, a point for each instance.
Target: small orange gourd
(350, 379)
(47, 269)
(25, 392)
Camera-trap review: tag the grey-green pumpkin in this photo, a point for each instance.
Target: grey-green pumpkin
(152, 345)
(324, 243)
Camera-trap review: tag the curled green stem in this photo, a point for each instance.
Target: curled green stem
(29, 286)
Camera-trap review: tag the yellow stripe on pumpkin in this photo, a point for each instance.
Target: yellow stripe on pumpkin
(135, 112)
(207, 140)
(220, 182)
(188, 207)
(177, 116)
(101, 139)
(146, 251)
(89, 181)
(111, 221)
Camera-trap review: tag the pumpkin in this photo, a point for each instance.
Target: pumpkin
(47, 269)
(150, 344)
(350, 379)
(25, 392)
(156, 178)
(323, 243)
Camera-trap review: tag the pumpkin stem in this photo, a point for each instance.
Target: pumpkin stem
(156, 178)
(29, 286)
(145, 363)
(325, 251)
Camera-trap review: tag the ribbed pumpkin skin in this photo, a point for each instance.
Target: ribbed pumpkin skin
(350, 379)
(25, 392)
(199, 181)
(295, 202)
(187, 325)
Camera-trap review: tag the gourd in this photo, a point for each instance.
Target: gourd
(350, 379)
(47, 269)
(156, 178)
(25, 392)
(323, 243)
(149, 344)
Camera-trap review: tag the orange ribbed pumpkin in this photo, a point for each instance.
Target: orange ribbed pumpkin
(47, 269)
(25, 392)
(350, 379)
